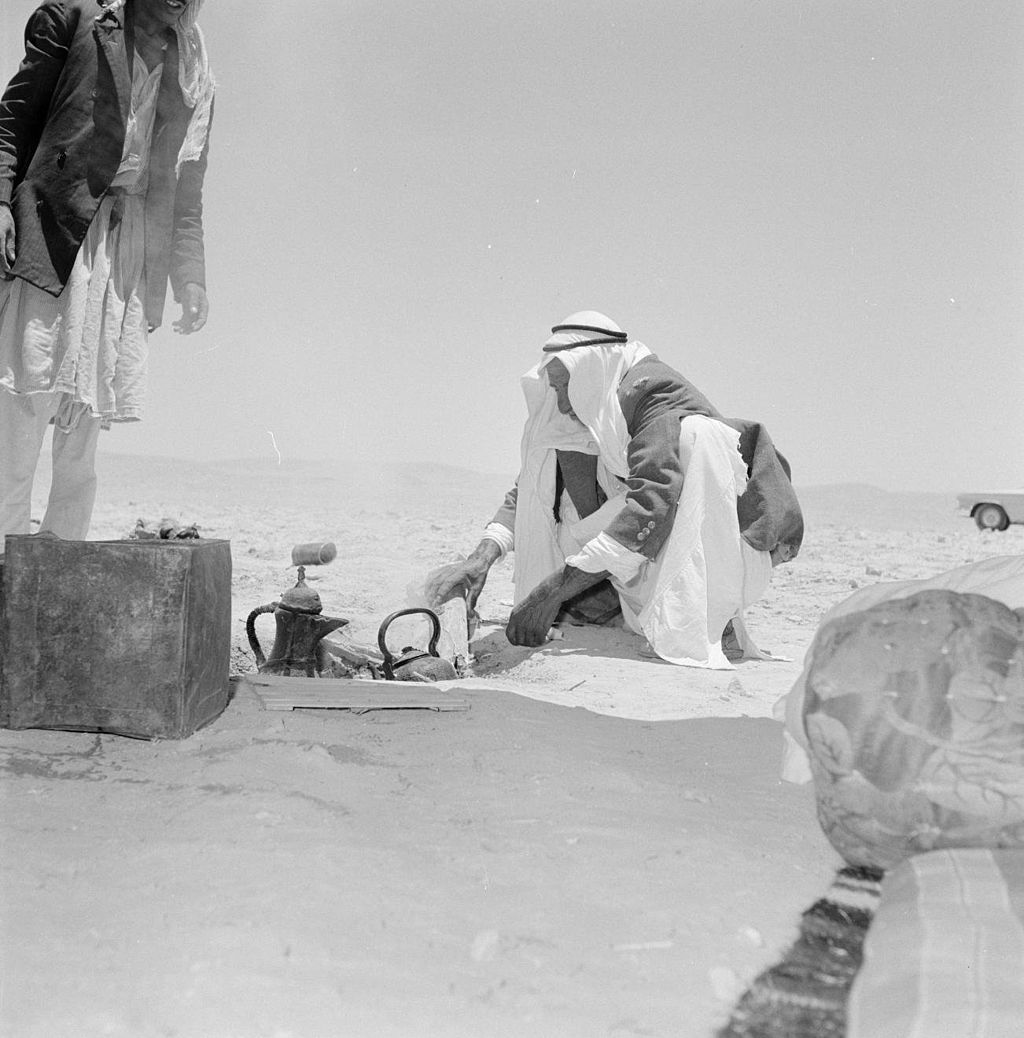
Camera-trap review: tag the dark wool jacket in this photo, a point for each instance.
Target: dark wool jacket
(654, 400)
(63, 119)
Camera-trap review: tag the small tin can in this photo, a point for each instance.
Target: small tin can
(315, 553)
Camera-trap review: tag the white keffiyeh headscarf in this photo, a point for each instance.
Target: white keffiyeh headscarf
(595, 373)
(195, 78)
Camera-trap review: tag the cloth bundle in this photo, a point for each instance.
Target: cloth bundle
(909, 717)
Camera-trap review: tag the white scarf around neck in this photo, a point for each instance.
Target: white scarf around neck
(195, 78)
(594, 376)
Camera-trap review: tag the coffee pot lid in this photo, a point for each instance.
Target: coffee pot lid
(301, 599)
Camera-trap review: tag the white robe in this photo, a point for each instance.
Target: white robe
(704, 575)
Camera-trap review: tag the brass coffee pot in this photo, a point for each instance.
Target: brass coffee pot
(300, 629)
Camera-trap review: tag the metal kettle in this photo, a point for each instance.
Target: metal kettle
(300, 629)
(415, 664)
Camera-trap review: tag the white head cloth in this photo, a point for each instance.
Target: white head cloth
(594, 376)
(194, 77)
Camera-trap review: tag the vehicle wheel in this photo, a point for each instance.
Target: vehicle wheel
(991, 517)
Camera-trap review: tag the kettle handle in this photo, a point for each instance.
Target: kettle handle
(250, 630)
(383, 632)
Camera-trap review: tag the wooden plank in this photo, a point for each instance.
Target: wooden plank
(280, 692)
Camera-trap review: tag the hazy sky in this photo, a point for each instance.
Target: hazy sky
(812, 209)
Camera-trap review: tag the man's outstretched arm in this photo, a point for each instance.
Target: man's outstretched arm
(466, 579)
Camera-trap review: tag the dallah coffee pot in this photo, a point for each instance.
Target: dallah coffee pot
(300, 629)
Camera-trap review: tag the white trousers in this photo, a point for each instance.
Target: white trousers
(23, 422)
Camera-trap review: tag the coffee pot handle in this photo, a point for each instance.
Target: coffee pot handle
(250, 630)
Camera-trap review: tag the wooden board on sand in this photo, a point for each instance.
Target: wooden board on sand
(280, 692)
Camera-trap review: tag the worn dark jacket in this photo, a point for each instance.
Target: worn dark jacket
(62, 127)
(654, 399)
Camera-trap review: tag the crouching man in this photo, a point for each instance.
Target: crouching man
(635, 498)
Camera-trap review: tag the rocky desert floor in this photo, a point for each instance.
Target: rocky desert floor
(599, 845)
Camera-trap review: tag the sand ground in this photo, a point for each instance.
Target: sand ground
(606, 851)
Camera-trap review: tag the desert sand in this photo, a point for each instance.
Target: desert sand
(599, 845)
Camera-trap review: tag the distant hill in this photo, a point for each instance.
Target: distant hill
(361, 484)
(859, 504)
(328, 483)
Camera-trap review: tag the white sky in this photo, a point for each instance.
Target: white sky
(811, 208)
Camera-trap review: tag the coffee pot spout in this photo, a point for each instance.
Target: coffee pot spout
(330, 624)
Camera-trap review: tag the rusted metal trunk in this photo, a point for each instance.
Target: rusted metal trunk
(128, 637)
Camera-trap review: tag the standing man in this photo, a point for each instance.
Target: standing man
(104, 133)
(634, 494)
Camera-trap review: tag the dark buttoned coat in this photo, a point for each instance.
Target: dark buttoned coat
(63, 120)
(654, 399)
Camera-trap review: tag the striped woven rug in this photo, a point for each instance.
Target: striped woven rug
(805, 995)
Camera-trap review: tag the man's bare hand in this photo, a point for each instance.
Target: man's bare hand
(195, 308)
(456, 580)
(463, 579)
(532, 618)
(7, 242)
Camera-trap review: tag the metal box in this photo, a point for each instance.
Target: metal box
(128, 637)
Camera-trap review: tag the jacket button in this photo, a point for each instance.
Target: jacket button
(62, 159)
